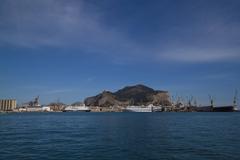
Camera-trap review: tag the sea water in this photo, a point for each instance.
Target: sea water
(120, 136)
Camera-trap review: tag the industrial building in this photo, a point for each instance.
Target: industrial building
(8, 104)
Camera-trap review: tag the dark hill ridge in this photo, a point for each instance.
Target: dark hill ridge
(130, 95)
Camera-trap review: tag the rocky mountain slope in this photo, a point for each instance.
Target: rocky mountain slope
(130, 95)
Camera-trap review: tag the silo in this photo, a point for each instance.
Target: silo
(14, 106)
(8, 104)
(1, 101)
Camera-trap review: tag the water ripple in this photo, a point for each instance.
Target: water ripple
(140, 136)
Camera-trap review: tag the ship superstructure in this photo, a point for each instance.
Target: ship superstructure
(81, 108)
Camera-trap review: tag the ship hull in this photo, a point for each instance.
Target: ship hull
(224, 109)
(138, 109)
(76, 110)
(215, 109)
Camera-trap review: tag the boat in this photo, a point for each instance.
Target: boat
(158, 108)
(224, 109)
(139, 109)
(212, 108)
(230, 108)
(82, 108)
(203, 109)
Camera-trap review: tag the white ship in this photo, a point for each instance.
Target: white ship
(82, 108)
(139, 109)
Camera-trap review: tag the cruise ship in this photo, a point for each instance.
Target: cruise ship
(139, 109)
(82, 108)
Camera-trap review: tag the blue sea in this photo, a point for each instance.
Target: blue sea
(120, 136)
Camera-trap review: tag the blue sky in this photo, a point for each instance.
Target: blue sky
(71, 49)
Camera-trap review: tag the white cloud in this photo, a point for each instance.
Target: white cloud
(200, 55)
(53, 23)
(59, 23)
(215, 76)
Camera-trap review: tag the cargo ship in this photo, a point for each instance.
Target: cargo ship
(212, 108)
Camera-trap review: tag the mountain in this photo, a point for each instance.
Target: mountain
(130, 95)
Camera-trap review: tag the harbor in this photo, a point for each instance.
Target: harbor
(137, 98)
(35, 106)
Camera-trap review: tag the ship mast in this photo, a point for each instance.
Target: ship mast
(211, 101)
(235, 100)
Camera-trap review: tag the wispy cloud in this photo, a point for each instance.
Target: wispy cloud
(201, 55)
(61, 23)
(56, 23)
(212, 37)
(217, 76)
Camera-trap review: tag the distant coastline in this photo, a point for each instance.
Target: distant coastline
(137, 98)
